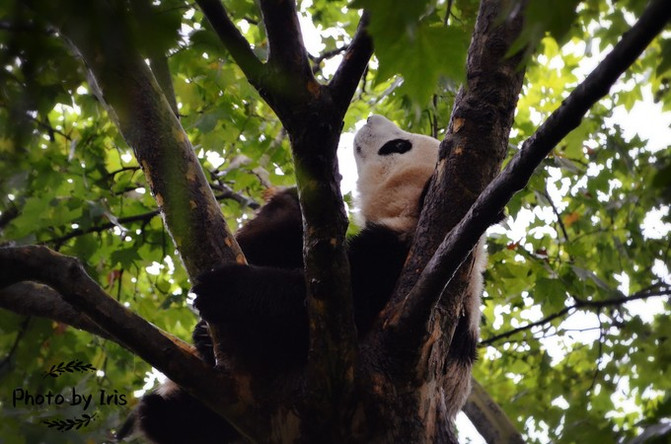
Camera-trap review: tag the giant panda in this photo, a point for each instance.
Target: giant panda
(262, 305)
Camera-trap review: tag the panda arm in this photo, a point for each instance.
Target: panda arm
(172, 416)
(376, 257)
(274, 237)
(235, 293)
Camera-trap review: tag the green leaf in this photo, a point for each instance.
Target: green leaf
(587, 275)
(422, 57)
(665, 62)
(390, 19)
(545, 16)
(125, 257)
(551, 293)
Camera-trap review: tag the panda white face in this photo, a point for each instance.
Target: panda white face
(393, 167)
(379, 132)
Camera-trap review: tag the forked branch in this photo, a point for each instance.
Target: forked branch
(485, 211)
(288, 59)
(174, 357)
(285, 41)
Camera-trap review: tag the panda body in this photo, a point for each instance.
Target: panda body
(265, 300)
(262, 305)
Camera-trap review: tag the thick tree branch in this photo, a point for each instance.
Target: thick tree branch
(174, 357)
(161, 70)
(489, 205)
(31, 299)
(312, 115)
(156, 53)
(490, 420)
(190, 212)
(347, 77)
(478, 135)
(307, 112)
(144, 117)
(661, 292)
(286, 49)
(233, 40)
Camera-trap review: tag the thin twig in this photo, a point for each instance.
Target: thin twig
(556, 212)
(317, 60)
(580, 304)
(227, 193)
(19, 335)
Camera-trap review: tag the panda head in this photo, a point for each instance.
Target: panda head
(393, 167)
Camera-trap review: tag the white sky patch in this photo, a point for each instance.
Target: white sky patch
(646, 309)
(561, 403)
(515, 227)
(583, 326)
(243, 25)
(532, 314)
(646, 119)
(154, 269)
(466, 429)
(170, 263)
(311, 33)
(126, 157)
(623, 279)
(653, 227)
(346, 162)
(659, 268)
(214, 158)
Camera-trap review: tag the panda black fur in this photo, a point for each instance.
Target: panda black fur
(262, 305)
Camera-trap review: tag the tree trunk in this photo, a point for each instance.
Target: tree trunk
(400, 383)
(422, 333)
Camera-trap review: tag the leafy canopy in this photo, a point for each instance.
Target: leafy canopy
(592, 228)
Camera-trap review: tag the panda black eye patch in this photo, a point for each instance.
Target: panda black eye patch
(399, 146)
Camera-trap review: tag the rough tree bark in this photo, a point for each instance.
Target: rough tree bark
(312, 115)
(417, 327)
(393, 388)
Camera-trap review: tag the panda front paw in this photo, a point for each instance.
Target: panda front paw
(219, 292)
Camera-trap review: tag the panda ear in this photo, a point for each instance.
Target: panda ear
(399, 146)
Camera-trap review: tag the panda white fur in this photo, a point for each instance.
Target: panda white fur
(262, 305)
